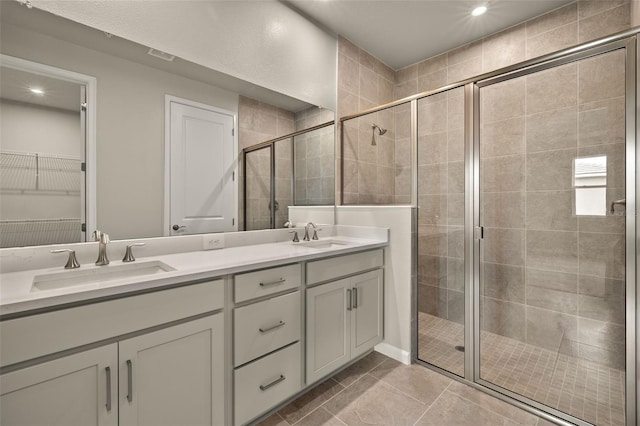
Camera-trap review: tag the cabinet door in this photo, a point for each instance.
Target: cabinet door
(174, 376)
(73, 390)
(327, 329)
(367, 313)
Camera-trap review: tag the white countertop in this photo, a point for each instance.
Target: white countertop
(18, 295)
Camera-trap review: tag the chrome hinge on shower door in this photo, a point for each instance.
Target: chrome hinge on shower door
(478, 233)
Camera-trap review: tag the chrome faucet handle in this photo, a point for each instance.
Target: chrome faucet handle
(96, 235)
(315, 233)
(72, 262)
(295, 236)
(128, 254)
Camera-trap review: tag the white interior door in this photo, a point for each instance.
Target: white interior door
(201, 168)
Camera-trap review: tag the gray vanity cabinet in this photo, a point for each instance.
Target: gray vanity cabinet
(157, 366)
(72, 390)
(167, 377)
(345, 316)
(266, 335)
(173, 376)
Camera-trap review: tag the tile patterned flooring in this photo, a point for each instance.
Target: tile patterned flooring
(581, 388)
(381, 391)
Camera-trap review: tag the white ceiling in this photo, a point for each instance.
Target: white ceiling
(403, 32)
(12, 13)
(15, 85)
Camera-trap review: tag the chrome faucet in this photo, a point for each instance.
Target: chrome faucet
(102, 239)
(306, 232)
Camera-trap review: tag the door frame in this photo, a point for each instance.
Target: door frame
(89, 149)
(168, 99)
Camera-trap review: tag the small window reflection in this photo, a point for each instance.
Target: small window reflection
(590, 182)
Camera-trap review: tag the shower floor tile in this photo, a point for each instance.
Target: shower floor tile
(584, 389)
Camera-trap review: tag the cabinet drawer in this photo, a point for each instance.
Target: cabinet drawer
(263, 384)
(266, 326)
(268, 281)
(329, 269)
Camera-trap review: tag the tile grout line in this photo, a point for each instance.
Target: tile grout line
(395, 388)
(344, 388)
(432, 404)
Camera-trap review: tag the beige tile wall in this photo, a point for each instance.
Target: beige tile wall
(365, 82)
(314, 158)
(258, 122)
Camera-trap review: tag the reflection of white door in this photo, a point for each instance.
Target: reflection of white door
(200, 168)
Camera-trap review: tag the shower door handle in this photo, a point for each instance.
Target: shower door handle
(622, 202)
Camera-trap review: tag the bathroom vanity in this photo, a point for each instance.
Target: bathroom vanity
(203, 337)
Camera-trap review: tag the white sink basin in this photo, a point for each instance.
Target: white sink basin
(321, 244)
(98, 274)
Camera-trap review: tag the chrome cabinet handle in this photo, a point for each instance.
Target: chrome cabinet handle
(280, 324)
(129, 381)
(108, 404)
(178, 227)
(349, 302)
(275, 382)
(355, 297)
(280, 281)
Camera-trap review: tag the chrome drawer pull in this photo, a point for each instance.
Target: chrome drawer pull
(350, 302)
(280, 324)
(355, 297)
(108, 404)
(280, 281)
(275, 382)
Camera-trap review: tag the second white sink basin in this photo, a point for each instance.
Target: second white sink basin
(319, 244)
(98, 274)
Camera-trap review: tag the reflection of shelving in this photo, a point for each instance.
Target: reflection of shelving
(38, 172)
(18, 233)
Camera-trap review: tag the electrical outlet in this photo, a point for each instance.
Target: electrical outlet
(212, 241)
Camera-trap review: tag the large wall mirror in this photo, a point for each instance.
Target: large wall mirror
(89, 138)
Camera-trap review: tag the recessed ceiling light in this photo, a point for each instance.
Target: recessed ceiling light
(37, 90)
(479, 10)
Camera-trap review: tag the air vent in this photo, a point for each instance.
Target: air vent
(160, 54)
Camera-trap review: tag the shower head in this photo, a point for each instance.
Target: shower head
(381, 131)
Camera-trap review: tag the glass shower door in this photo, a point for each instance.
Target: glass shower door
(441, 185)
(552, 259)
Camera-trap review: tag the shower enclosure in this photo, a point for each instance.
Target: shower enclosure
(525, 263)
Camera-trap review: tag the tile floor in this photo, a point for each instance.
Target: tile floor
(381, 391)
(585, 389)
